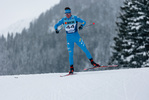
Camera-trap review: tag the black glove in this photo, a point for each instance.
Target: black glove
(56, 31)
(80, 27)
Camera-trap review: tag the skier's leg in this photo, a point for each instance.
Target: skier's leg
(81, 44)
(70, 46)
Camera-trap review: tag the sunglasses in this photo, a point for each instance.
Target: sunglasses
(67, 13)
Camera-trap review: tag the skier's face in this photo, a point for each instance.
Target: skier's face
(68, 15)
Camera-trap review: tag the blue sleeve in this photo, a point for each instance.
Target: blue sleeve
(59, 23)
(80, 20)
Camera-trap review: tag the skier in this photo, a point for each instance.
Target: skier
(70, 23)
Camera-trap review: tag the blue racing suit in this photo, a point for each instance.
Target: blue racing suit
(72, 35)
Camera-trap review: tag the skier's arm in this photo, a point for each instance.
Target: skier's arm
(80, 20)
(59, 23)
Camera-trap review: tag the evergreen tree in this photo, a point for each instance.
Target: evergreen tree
(131, 43)
(3, 52)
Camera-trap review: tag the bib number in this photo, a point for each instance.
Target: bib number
(70, 28)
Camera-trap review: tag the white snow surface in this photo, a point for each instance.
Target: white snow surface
(124, 84)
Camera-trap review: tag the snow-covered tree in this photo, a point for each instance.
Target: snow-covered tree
(133, 32)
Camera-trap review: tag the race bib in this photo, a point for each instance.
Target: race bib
(70, 28)
(70, 25)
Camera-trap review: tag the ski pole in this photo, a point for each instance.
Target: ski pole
(86, 26)
(90, 24)
(61, 28)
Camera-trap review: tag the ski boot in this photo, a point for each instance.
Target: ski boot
(93, 63)
(71, 69)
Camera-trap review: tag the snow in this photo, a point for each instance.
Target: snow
(133, 7)
(146, 63)
(136, 27)
(134, 62)
(129, 3)
(139, 18)
(125, 84)
(141, 13)
(129, 58)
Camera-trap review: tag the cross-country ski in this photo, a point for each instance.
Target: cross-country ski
(100, 67)
(68, 74)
